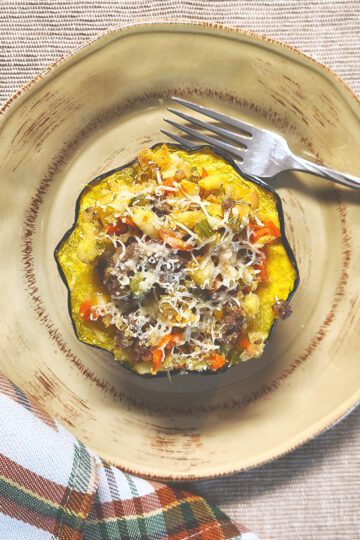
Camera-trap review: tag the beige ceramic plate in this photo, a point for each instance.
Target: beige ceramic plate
(93, 112)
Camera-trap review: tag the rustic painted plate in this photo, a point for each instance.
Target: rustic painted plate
(93, 112)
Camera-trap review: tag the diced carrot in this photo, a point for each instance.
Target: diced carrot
(173, 240)
(269, 229)
(157, 358)
(118, 228)
(128, 221)
(166, 342)
(86, 311)
(244, 343)
(121, 226)
(111, 229)
(169, 182)
(204, 173)
(217, 361)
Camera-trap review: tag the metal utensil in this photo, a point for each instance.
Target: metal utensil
(260, 152)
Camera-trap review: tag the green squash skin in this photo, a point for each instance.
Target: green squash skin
(252, 179)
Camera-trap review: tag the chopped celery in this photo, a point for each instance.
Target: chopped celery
(139, 285)
(204, 229)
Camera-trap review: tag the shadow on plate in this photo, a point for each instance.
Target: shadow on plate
(324, 190)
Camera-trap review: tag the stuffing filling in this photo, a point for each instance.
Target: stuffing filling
(181, 255)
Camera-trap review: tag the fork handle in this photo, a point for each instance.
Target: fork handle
(302, 164)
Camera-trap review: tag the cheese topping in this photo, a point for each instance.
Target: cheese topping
(181, 261)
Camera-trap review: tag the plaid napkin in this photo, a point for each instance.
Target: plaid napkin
(53, 487)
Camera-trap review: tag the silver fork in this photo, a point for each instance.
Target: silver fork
(259, 152)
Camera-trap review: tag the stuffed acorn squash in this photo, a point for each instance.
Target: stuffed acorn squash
(177, 262)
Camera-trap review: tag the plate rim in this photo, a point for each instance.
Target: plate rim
(182, 478)
(116, 31)
(111, 34)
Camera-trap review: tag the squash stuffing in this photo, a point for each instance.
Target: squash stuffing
(177, 263)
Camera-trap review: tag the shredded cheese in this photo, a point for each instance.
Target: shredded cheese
(176, 284)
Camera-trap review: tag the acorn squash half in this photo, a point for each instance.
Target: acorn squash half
(177, 262)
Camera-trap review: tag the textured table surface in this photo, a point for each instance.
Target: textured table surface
(313, 492)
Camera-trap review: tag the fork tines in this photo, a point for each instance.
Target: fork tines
(240, 139)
